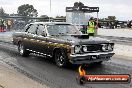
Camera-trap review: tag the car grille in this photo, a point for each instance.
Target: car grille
(93, 48)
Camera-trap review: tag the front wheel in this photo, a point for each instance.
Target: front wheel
(61, 59)
(22, 50)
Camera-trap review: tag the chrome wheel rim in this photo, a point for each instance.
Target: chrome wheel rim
(60, 60)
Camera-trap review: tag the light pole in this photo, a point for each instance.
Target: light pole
(50, 6)
(50, 11)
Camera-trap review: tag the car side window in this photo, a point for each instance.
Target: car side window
(32, 29)
(26, 27)
(41, 30)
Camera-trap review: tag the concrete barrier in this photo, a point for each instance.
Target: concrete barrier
(119, 49)
(115, 32)
(123, 50)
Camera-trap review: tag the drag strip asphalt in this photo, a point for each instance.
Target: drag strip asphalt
(44, 71)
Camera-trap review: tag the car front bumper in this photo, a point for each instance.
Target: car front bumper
(90, 57)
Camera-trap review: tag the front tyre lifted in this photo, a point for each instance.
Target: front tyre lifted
(22, 51)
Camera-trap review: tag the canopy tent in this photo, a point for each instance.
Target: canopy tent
(77, 14)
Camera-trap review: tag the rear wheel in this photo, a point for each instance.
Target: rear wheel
(22, 50)
(61, 59)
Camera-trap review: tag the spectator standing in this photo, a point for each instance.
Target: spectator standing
(91, 27)
(116, 22)
(9, 24)
(107, 25)
(128, 23)
(1, 25)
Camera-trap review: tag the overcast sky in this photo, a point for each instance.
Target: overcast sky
(122, 9)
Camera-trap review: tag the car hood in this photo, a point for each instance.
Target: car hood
(82, 39)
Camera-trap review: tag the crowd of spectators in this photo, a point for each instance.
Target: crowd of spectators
(5, 24)
(9, 24)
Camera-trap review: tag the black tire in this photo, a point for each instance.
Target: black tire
(61, 59)
(22, 51)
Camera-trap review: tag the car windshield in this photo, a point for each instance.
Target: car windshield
(62, 29)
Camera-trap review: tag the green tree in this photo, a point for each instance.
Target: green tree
(78, 4)
(27, 10)
(111, 18)
(2, 12)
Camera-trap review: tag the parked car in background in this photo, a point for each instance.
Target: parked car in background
(62, 42)
(121, 24)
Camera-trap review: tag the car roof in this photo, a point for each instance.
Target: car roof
(51, 23)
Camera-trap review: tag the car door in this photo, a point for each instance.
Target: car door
(51, 41)
(25, 38)
(30, 37)
(41, 40)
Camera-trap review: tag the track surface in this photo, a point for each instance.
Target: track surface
(46, 72)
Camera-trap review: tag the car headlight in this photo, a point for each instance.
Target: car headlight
(77, 49)
(112, 47)
(104, 47)
(85, 49)
(109, 47)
